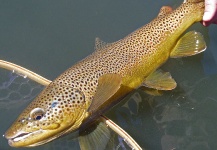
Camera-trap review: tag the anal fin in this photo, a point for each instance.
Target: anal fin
(160, 80)
(190, 44)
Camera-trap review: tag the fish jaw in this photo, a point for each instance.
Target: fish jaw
(31, 138)
(59, 117)
(21, 137)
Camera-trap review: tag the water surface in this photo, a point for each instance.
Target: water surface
(49, 36)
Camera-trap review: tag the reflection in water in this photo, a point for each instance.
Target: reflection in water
(182, 119)
(209, 60)
(121, 144)
(16, 89)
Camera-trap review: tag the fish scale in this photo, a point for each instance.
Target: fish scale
(96, 83)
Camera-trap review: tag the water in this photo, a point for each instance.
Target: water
(49, 36)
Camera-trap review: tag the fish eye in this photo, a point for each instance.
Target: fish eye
(37, 113)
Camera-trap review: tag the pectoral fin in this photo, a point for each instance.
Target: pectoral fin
(190, 44)
(160, 80)
(108, 85)
(94, 137)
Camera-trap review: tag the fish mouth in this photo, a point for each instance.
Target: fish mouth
(20, 137)
(19, 140)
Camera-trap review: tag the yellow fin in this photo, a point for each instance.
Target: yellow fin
(160, 80)
(108, 85)
(95, 137)
(165, 10)
(190, 44)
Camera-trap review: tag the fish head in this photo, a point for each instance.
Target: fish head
(56, 111)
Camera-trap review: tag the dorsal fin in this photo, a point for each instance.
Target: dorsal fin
(165, 10)
(100, 44)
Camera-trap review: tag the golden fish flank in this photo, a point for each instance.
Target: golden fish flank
(99, 81)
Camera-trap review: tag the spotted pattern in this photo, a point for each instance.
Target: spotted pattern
(76, 86)
(56, 101)
(126, 53)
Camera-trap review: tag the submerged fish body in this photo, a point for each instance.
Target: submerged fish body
(96, 83)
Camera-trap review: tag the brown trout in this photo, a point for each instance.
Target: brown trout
(96, 83)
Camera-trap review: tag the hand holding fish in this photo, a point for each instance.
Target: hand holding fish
(210, 14)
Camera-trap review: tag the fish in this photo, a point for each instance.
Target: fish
(91, 87)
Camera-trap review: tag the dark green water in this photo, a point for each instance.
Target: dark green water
(49, 36)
